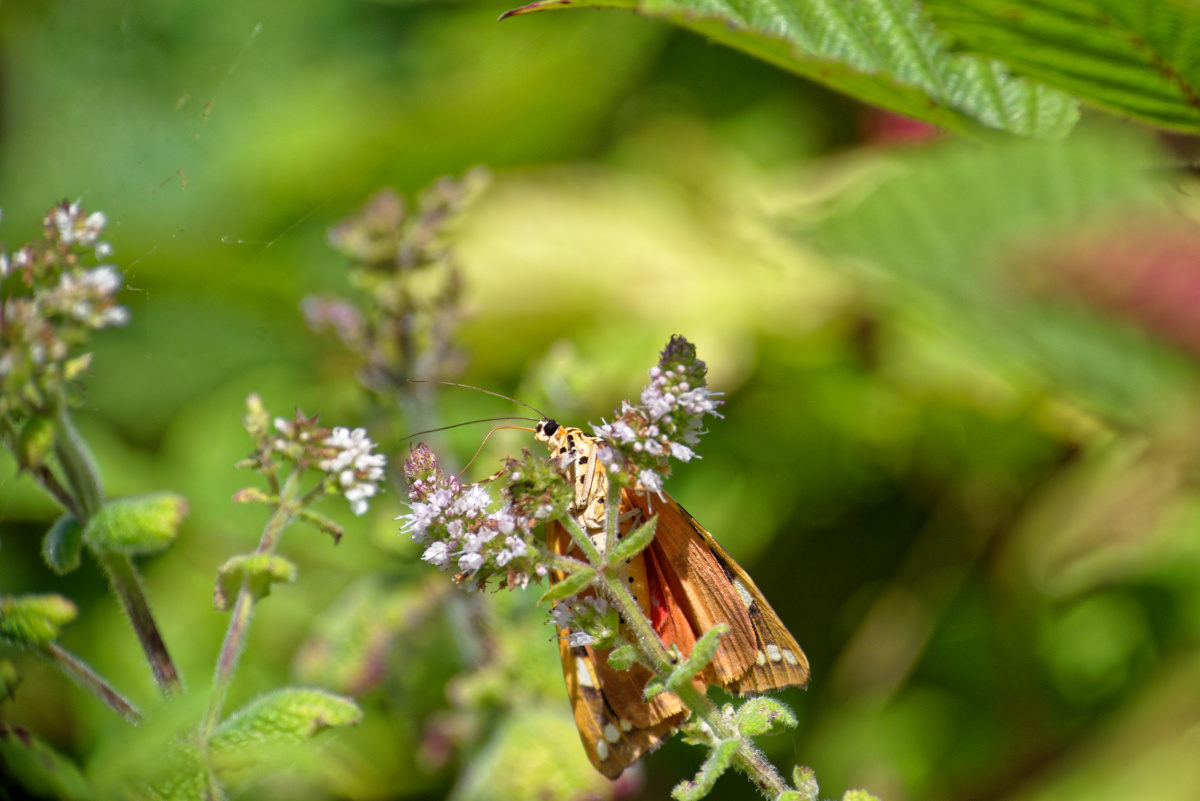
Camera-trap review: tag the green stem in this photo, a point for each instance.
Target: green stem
(239, 620)
(128, 586)
(83, 675)
(77, 464)
(84, 484)
(748, 759)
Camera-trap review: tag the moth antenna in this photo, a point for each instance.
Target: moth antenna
(541, 416)
(473, 422)
(485, 439)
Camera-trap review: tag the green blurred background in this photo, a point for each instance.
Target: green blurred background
(970, 497)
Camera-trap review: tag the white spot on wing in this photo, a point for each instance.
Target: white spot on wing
(747, 598)
(760, 659)
(611, 733)
(602, 750)
(626, 725)
(773, 653)
(789, 657)
(583, 673)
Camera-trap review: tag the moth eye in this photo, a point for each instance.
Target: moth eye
(548, 428)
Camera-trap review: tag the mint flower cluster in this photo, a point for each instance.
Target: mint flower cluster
(346, 457)
(665, 425)
(53, 300)
(459, 531)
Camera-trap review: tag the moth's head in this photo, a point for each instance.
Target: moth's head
(546, 429)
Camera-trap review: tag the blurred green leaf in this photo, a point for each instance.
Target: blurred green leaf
(62, 545)
(36, 441)
(952, 228)
(510, 767)
(38, 768)
(140, 525)
(10, 679)
(34, 620)
(288, 715)
(883, 52)
(1132, 57)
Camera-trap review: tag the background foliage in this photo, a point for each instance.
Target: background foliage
(961, 441)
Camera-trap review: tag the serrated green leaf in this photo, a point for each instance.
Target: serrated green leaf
(141, 525)
(62, 545)
(37, 768)
(764, 716)
(701, 657)
(719, 760)
(884, 52)
(805, 780)
(571, 585)
(288, 715)
(258, 571)
(34, 620)
(1133, 57)
(634, 542)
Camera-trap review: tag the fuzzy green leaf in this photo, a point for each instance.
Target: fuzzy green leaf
(701, 657)
(654, 687)
(623, 658)
(634, 542)
(764, 716)
(1132, 57)
(805, 780)
(62, 545)
(37, 768)
(858, 795)
(141, 525)
(719, 760)
(253, 495)
(285, 716)
(790, 795)
(883, 52)
(258, 571)
(571, 585)
(34, 620)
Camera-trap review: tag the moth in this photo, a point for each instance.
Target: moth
(686, 583)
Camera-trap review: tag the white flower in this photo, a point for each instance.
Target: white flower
(682, 452)
(579, 638)
(437, 554)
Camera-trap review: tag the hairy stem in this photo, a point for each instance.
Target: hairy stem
(128, 586)
(88, 498)
(748, 759)
(83, 675)
(239, 620)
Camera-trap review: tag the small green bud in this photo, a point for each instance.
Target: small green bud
(806, 783)
(34, 620)
(257, 571)
(36, 441)
(764, 716)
